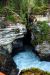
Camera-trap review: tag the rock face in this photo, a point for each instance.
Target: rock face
(7, 65)
(11, 33)
(43, 51)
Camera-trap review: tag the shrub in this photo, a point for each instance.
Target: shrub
(34, 71)
(41, 35)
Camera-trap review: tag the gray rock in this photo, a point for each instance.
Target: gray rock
(43, 51)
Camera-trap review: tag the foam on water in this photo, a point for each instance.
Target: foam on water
(27, 59)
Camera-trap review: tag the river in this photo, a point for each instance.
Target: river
(28, 59)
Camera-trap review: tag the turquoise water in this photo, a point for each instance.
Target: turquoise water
(27, 59)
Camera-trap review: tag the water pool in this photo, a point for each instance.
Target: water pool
(28, 59)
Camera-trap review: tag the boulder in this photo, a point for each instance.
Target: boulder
(43, 51)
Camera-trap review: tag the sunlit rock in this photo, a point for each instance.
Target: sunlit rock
(10, 33)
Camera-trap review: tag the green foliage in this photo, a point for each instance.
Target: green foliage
(39, 10)
(11, 5)
(40, 6)
(10, 15)
(18, 6)
(34, 71)
(44, 28)
(38, 3)
(41, 34)
(22, 6)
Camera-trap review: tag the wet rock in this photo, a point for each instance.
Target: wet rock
(7, 65)
(43, 51)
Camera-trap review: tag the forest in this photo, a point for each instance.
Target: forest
(22, 7)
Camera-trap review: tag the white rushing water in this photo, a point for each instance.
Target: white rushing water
(27, 59)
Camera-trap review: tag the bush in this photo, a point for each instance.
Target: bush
(40, 10)
(34, 71)
(10, 15)
(41, 35)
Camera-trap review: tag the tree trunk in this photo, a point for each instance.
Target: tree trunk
(4, 2)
